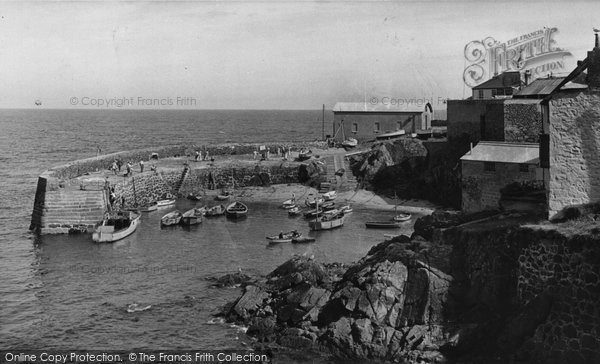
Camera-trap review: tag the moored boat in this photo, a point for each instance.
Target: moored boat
(165, 203)
(383, 224)
(289, 204)
(223, 196)
(194, 196)
(304, 155)
(217, 210)
(402, 216)
(116, 226)
(193, 216)
(313, 213)
(312, 201)
(170, 219)
(236, 210)
(153, 206)
(327, 222)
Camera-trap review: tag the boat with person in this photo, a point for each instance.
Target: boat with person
(192, 216)
(170, 219)
(236, 210)
(161, 204)
(152, 206)
(289, 204)
(217, 210)
(116, 226)
(284, 237)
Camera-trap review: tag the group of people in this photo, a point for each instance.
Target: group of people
(118, 163)
(200, 157)
(266, 154)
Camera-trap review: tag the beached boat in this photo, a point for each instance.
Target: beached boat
(217, 210)
(194, 196)
(294, 211)
(170, 219)
(193, 216)
(312, 202)
(391, 135)
(165, 203)
(153, 206)
(330, 196)
(288, 204)
(327, 222)
(303, 239)
(236, 210)
(284, 237)
(223, 196)
(350, 143)
(346, 209)
(116, 226)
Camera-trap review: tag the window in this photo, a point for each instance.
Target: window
(354, 128)
(489, 166)
(524, 167)
(377, 127)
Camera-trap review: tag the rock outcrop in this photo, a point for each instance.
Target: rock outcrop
(480, 291)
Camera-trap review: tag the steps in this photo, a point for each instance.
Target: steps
(184, 174)
(345, 182)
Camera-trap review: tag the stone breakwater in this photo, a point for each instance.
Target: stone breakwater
(481, 292)
(74, 196)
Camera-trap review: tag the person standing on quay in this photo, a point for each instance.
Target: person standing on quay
(114, 167)
(128, 169)
(119, 163)
(141, 166)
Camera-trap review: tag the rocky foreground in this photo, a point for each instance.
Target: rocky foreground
(460, 296)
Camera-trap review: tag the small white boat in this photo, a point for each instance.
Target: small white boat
(116, 226)
(153, 206)
(312, 202)
(165, 203)
(236, 210)
(223, 196)
(288, 204)
(294, 211)
(330, 196)
(402, 216)
(170, 219)
(284, 237)
(346, 209)
(350, 143)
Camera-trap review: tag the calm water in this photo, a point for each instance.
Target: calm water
(66, 292)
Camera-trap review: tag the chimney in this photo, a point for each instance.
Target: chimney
(527, 75)
(593, 56)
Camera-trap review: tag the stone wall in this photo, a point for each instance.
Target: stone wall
(567, 272)
(481, 189)
(574, 176)
(522, 121)
(59, 207)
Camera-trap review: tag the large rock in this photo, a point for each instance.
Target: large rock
(252, 299)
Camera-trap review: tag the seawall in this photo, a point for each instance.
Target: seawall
(74, 196)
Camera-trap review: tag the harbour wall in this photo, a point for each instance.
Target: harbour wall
(63, 202)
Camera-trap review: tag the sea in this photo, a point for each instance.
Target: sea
(65, 292)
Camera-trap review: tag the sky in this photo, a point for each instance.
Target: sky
(259, 54)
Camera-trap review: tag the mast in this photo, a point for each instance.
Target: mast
(323, 121)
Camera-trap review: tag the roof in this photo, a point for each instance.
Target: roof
(504, 152)
(505, 79)
(410, 107)
(545, 86)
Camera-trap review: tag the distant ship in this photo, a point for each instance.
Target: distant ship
(38, 102)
